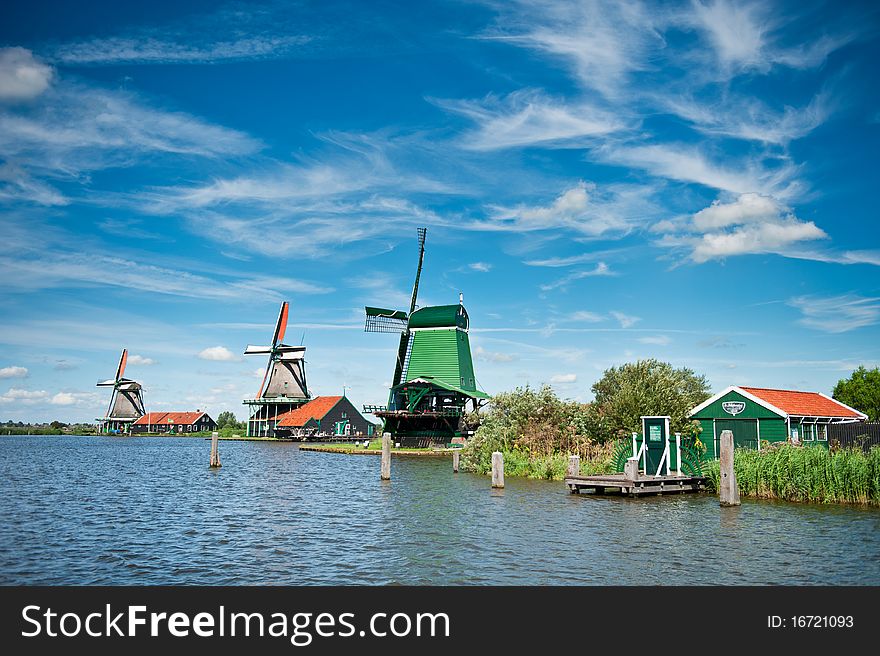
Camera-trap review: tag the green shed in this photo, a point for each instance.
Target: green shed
(758, 414)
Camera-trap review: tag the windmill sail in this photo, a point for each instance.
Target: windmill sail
(285, 375)
(126, 401)
(283, 386)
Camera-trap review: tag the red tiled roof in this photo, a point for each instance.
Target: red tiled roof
(806, 404)
(169, 418)
(317, 408)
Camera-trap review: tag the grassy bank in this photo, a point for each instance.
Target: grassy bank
(547, 466)
(806, 474)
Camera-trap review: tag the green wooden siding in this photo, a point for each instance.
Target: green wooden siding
(444, 355)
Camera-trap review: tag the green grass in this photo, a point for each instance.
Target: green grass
(810, 474)
(551, 467)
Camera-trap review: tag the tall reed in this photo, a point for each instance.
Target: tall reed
(811, 474)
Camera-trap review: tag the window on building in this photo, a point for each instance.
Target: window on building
(823, 433)
(809, 436)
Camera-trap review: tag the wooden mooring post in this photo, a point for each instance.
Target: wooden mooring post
(728, 489)
(497, 469)
(456, 459)
(215, 450)
(574, 466)
(385, 473)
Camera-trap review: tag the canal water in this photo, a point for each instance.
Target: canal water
(116, 510)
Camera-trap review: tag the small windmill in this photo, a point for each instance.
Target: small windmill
(284, 384)
(434, 378)
(127, 400)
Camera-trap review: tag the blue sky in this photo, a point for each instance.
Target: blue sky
(604, 181)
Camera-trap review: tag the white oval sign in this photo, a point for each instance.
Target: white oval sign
(733, 407)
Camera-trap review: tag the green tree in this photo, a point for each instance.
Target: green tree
(861, 391)
(226, 418)
(646, 387)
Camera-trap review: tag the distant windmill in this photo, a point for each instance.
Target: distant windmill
(283, 387)
(126, 402)
(434, 378)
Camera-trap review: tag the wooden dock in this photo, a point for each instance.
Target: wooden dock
(642, 485)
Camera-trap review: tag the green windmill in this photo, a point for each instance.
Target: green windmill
(434, 379)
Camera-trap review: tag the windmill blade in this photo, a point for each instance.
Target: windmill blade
(281, 326)
(289, 356)
(415, 293)
(122, 361)
(257, 350)
(284, 348)
(106, 383)
(265, 376)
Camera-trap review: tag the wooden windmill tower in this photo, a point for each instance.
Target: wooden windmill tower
(126, 402)
(284, 384)
(434, 377)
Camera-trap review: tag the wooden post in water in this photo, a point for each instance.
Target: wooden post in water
(497, 469)
(215, 452)
(728, 489)
(385, 474)
(574, 466)
(456, 458)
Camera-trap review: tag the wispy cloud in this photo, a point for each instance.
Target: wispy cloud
(656, 340)
(573, 210)
(231, 32)
(481, 267)
(687, 163)
(625, 320)
(743, 36)
(601, 269)
(563, 379)
(602, 42)
(529, 118)
(837, 314)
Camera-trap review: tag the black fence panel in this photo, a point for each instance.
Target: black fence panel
(859, 434)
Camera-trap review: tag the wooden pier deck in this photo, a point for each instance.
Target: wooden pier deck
(620, 484)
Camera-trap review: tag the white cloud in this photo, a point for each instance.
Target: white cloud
(748, 208)
(657, 340)
(13, 372)
(751, 224)
(139, 359)
(482, 267)
(22, 76)
(17, 395)
(528, 118)
(837, 314)
(219, 354)
(80, 399)
(625, 320)
(574, 209)
(564, 378)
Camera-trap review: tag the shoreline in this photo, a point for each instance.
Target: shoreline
(423, 453)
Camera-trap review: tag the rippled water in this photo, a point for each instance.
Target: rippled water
(111, 510)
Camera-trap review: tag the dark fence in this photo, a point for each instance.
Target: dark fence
(859, 434)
